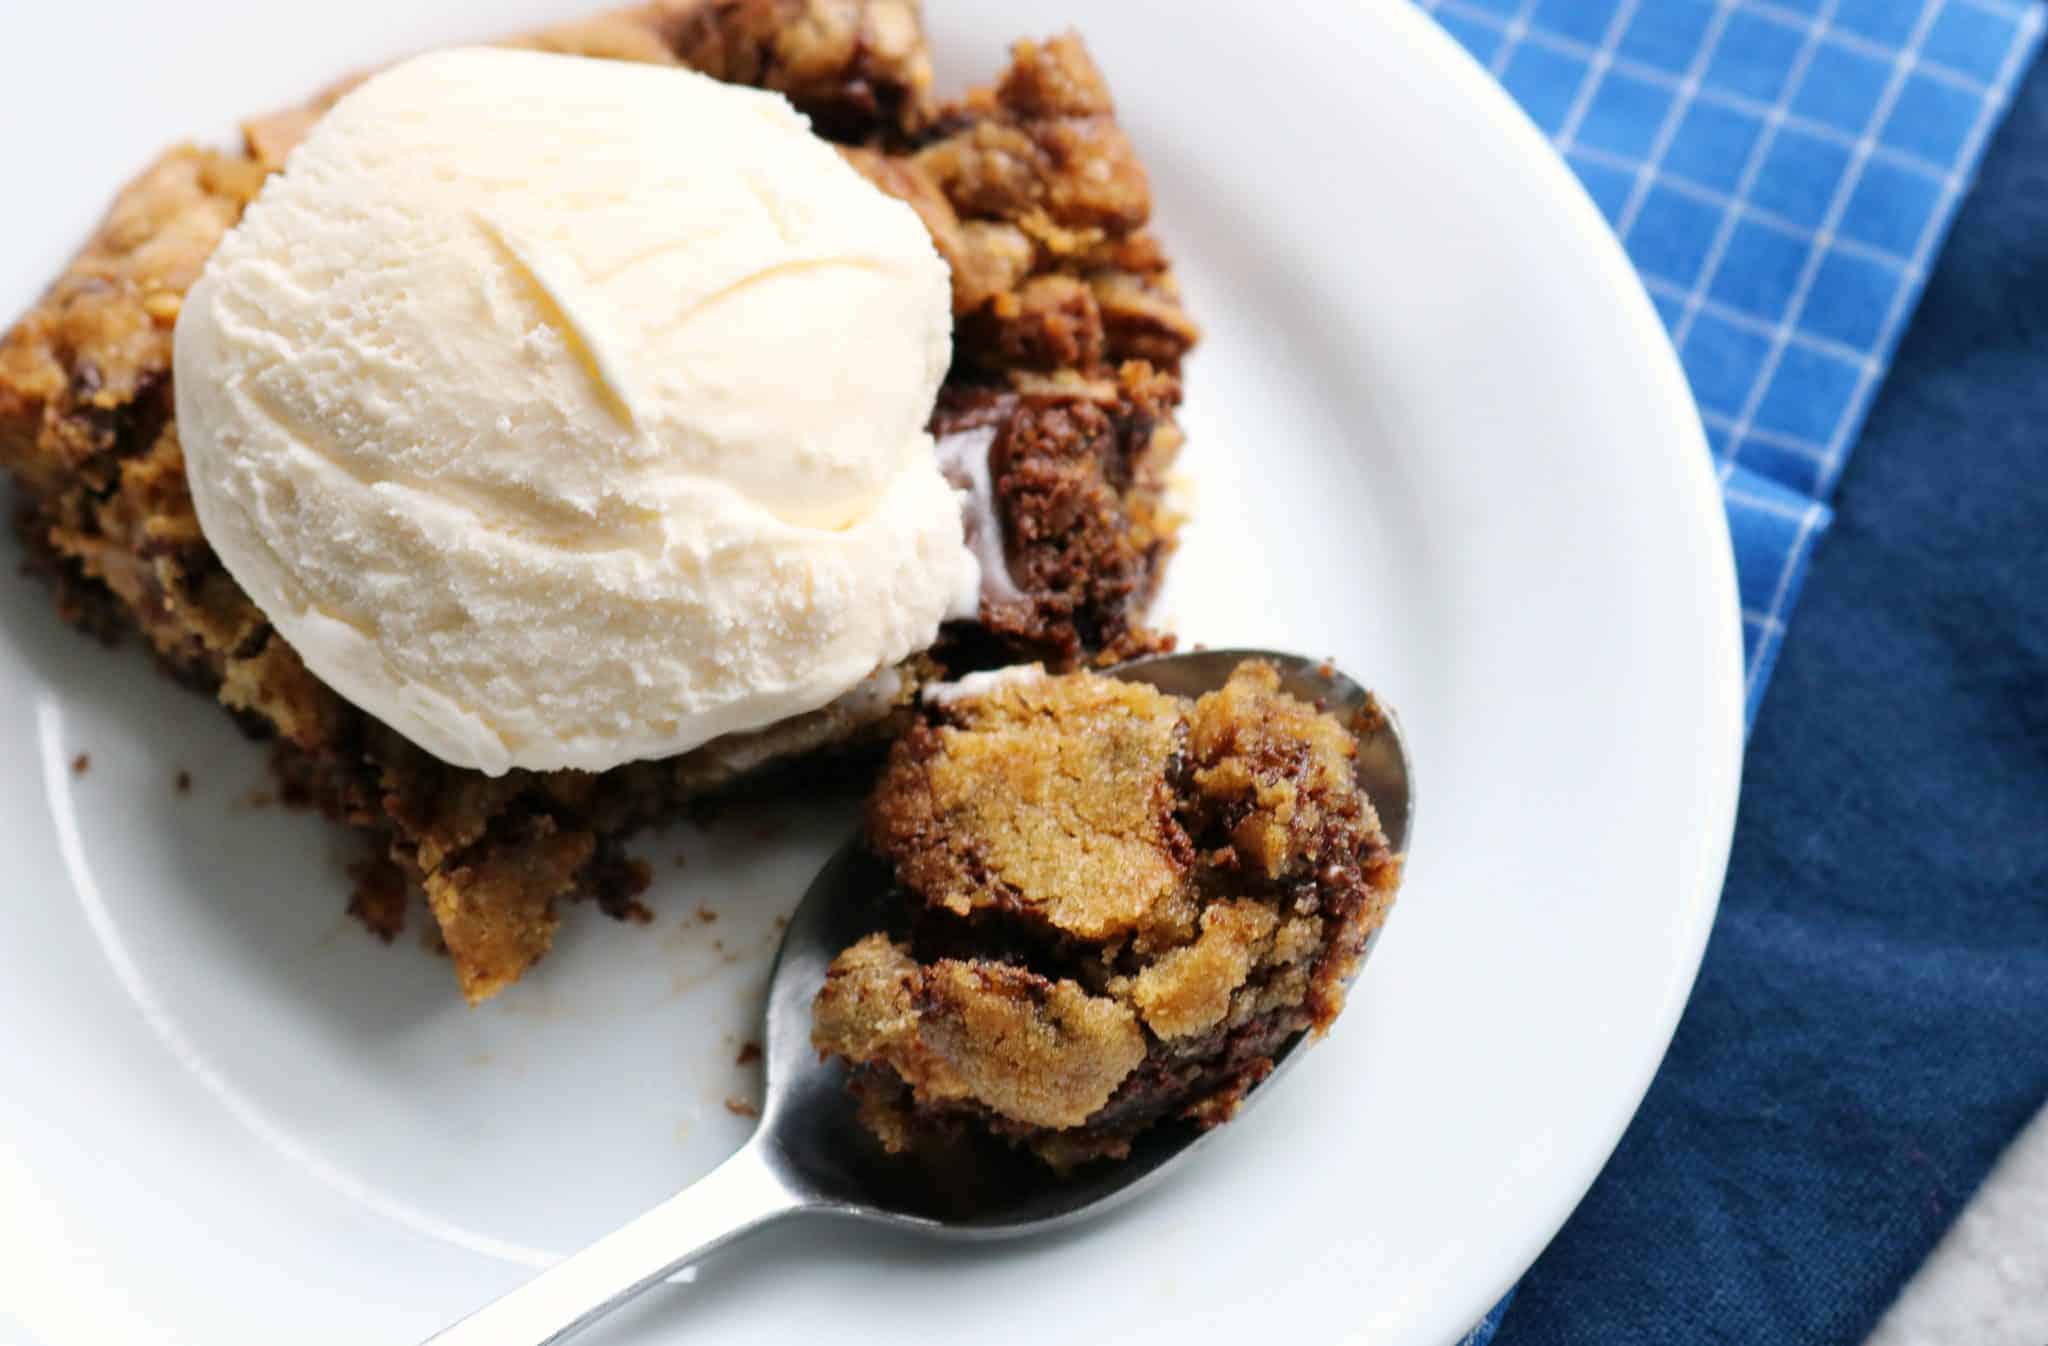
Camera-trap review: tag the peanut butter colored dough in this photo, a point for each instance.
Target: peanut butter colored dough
(1111, 907)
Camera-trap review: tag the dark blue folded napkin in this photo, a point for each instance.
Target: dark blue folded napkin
(1783, 175)
(1870, 1027)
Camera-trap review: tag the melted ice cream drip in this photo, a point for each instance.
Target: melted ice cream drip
(963, 457)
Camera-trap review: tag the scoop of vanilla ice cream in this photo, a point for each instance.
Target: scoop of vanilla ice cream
(564, 412)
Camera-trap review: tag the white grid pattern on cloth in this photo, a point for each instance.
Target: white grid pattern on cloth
(1518, 28)
(1782, 416)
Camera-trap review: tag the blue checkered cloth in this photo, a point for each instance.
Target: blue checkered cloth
(1781, 173)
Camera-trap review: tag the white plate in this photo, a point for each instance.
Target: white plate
(1437, 433)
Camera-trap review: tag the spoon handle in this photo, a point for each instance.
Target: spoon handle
(739, 1195)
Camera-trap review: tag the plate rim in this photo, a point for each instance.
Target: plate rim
(1624, 296)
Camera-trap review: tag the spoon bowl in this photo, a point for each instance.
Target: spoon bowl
(809, 1155)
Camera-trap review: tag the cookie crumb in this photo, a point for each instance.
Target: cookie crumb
(750, 1052)
(636, 911)
(706, 914)
(184, 782)
(739, 1107)
(377, 901)
(81, 764)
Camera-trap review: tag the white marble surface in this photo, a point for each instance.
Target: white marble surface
(1987, 1282)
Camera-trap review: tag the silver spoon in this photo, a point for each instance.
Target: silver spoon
(808, 1157)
